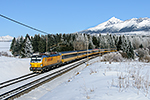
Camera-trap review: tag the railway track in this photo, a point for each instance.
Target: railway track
(14, 93)
(16, 80)
(28, 82)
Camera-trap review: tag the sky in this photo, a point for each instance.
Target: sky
(65, 16)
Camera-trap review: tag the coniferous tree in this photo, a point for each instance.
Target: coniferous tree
(42, 44)
(119, 44)
(95, 41)
(69, 42)
(112, 42)
(17, 46)
(13, 45)
(141, 46)
(35, 43)
(21, 41)
(27, 48)
(130, 52)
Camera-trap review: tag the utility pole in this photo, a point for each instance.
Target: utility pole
(46, 43)
(99, 50)
(87, 53)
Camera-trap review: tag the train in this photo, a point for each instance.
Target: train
(44, 62)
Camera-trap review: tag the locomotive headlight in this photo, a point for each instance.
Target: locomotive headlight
(41, 65)
(30, 65)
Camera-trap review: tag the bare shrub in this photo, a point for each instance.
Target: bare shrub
(124, 55)
(133, 78)
(4, 54)
(142, 53)
(146, 58)
(80, 45)
(149, 49)
(77, 73)
(112, 57)
(92, 71)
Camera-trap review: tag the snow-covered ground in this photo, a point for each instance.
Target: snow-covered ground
(4, 46)
(100, 81)
(11, 67)
(127, 80)
(6, 38)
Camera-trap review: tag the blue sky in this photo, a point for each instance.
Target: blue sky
(66, 16)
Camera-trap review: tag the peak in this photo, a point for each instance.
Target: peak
(114, 19)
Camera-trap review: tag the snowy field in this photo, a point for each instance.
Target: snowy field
(11, 67)
(100, 81)
(126, 80)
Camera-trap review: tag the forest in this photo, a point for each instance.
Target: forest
(26, 46)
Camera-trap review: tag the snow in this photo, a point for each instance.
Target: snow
(108, 23)
(4, 46)
(6, 38)
(11, 67)
(117, 24)
(138, 33)
(97, 81)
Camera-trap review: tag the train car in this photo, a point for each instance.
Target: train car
(68, 56)
(82, 54)
(113, 50)
(41, 63)
(95, 51)
(89, 53)
(104, 51)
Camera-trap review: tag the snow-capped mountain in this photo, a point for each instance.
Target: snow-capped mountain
(115, 25)
(6, 38)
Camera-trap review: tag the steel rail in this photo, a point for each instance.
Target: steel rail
(14, 93)
(36, 83)
(17, 80)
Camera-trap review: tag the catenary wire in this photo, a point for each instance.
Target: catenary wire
(23, 24)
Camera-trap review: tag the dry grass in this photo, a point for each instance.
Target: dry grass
(145, 59)
(93, 71)
(132, 77)
(112, 57)
(4, 54)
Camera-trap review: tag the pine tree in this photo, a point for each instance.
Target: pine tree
(112, 42)
(141, 46)
(130, 52)
(21, 41)
(95, 41)
(13, 45)
(17, 46)
(27, 48)
(119, 44)
(35, 43)
(42, 44)
(90, 46)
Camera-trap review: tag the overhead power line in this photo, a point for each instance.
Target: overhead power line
(23, 24)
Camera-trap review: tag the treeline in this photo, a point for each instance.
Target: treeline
(25, 47)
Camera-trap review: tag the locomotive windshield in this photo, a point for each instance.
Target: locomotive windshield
(36, 58)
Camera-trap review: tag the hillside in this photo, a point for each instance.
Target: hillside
(6, 38)
(114, 25)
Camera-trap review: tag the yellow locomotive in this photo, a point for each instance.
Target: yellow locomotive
(44, 62)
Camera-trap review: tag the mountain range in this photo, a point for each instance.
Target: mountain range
(6, 38)
(115, 25)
